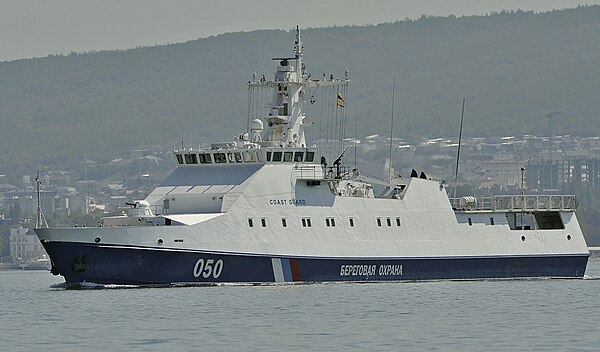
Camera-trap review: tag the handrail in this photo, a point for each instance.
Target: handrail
(511, 203)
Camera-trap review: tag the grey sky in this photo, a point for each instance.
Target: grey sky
(35, 28)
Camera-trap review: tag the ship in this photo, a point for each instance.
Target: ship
(269, 207)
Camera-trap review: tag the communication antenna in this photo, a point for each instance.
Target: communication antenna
(462, 115)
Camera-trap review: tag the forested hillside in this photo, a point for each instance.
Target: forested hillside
(512, 67)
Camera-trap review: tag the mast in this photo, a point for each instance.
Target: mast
(40, 219)
(462, 115)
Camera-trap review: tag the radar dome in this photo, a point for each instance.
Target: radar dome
(256, 125)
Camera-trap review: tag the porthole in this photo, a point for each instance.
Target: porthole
(160, 241)
(568, 237)
(97, 239)
(523, 238)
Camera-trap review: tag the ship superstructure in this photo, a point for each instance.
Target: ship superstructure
(267, 207)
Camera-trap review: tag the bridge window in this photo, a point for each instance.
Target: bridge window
(250, 222)
(191, 159)
(310, 156)
(260, 156)
(238, 157)
(249, 157)
(378, 221)
(220, 158)
(277, 156)
(205, 158)
(230, 157)
(397, 221)
(179, 158)
(351, 221)
(263, 222)
(269, 156)
(283, 222)
(491, 221)
(298, 157)
(388, 221)
(287, 156)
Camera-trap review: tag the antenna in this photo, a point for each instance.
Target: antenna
(462, 115)
(392, 128)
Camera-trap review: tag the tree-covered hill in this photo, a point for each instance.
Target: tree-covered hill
(512, 67)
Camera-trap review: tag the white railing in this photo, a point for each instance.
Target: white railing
(518, 203)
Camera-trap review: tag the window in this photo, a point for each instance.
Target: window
(378, 221)
(250, 222)
(205, 158)
(491, 221)
(191, 159)
(388, 221)
(330, 222)
(179, 158)
(470, 222)
(306, 222)
(263, 222)
(269, 156)
(310, 156)
(287, 156)
(277, 156)
(283, 222)
(230, 157)
(238, 157)
(249, 157)
(397, 221)
(298, 157)
(220, 158)
(351, 221)
(260, 156)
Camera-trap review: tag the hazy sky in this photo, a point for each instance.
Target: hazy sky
(34, 28)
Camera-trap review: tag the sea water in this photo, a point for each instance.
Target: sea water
(38, 314)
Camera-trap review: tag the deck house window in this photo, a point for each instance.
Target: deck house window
(287, 157)
(330, 222)
(470, 222)
(388, 221)
(378, 221)
(269, 155)
(397, 221)
(277, 156)
(310, 156)
(179, 158)
(263, 222)
(351, 221)
(491, 221)
(283, 222)
(250, 222)
(298, 157)
(230, 157)
(238, 157)
(306, 222)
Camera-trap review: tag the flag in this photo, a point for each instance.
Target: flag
(340, 97)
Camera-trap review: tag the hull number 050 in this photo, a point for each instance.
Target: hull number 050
(208, 268)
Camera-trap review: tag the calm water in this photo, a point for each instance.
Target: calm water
(544, 315)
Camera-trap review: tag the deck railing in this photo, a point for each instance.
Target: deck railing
(516, 203)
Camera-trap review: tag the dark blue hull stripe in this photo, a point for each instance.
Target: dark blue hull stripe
(105, 264)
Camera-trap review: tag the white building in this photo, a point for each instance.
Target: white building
(25, 247)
